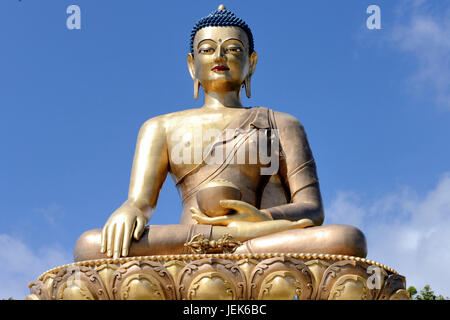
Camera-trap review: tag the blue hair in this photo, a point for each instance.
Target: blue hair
(222, 18)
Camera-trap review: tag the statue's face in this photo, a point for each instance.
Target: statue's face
(221, 58)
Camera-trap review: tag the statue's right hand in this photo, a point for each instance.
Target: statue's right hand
(125, 223)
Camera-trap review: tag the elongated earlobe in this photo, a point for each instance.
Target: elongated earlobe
(248, 89)
(247, 81)
(196, 88)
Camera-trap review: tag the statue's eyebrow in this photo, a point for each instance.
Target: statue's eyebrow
(236, 40)
(198, 45)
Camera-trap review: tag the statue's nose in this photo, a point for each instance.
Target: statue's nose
(219, 55)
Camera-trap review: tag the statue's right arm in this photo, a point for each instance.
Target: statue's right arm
(150, 167)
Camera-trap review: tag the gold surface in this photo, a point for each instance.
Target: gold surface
(269, 204)
(174, 267)
(280, 285)
(317, 268)
(350, 287)
(219, 276)
(209, 197)
(324, 258)
(226, 244)
(211, 286)
(264, 218)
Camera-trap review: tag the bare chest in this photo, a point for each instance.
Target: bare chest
(191, 138)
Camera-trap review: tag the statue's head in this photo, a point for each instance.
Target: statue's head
(222, 56)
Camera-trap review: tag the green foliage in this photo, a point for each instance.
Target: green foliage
(425, 294)
(412, 291)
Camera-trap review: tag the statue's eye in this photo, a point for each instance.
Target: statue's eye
(234, 49)
(206, 51)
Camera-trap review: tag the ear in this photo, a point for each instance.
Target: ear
(191, 65)
(253, 59)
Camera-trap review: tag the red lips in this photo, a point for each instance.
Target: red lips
(220, 68)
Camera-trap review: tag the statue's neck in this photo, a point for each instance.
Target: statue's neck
(219, 100)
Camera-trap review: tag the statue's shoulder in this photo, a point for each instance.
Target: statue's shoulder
(283, 119)
(170, 119)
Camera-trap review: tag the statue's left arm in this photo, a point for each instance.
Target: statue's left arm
(297, 170)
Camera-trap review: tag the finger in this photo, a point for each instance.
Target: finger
(118, 241)
(221, 220)
(103, 245)
(201, 218)
(110, 242)
(127, 235)
(197, 211)
(305, 223)
(237, 205)
(139, 230)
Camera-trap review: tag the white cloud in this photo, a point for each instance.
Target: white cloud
(405, 230)
(19, 265)
(423, 31)
(52, 214)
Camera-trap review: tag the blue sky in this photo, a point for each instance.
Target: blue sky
(375, 105)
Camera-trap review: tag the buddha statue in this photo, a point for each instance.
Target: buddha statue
(266, 203)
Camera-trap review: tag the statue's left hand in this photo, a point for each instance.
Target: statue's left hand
(243, 212)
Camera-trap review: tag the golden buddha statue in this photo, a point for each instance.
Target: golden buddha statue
(266, 206)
